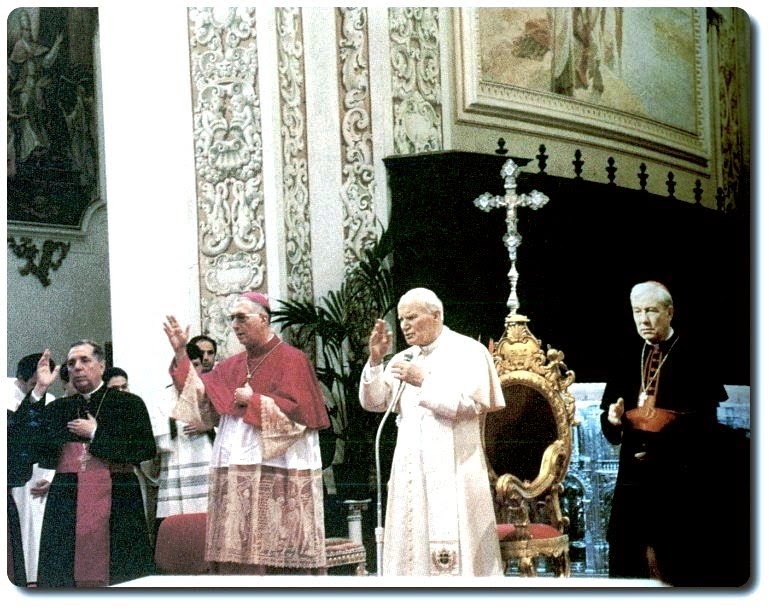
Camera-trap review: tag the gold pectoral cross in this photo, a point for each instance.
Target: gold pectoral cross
(647, 403)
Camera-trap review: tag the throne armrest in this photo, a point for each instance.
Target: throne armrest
(510, 488)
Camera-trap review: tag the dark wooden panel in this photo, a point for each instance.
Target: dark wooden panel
(581, 254)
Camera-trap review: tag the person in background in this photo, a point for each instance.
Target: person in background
(440, 514)
(660, 406)
(28, 483)
(265, 513)
(185, 450)
(94, 532)
(64, 375)
(148, 470)
(208, 347)
(117, 378)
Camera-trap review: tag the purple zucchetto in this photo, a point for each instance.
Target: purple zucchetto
(257, 297)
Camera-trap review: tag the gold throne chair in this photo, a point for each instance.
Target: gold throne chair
(528, 445)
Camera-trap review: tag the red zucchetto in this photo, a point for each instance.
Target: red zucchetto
(257, 297)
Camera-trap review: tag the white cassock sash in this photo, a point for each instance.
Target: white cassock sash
(441, 496)
(438, 457)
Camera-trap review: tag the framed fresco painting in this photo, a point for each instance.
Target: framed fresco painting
(53, 157)
(628, 79)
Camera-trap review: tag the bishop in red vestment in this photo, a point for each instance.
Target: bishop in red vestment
(265, 509)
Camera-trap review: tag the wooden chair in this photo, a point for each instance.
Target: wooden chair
(528, 445)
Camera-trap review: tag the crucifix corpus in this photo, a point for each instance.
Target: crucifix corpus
(511, 201)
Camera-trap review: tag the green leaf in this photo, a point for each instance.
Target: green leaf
(339, 325)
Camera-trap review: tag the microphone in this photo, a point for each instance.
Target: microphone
(407, 357)
(379, 515)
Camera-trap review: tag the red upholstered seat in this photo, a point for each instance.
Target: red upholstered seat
(180, 544)
(537, 531)
(181, 540)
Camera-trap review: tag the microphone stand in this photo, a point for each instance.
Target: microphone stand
(379, 517)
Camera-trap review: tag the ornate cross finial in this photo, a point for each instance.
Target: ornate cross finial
(512, 239)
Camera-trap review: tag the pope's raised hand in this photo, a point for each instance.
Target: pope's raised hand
(380, 342)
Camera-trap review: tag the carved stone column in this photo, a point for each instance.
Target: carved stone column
(357, 186)
(295, 165)
(415, 57)
(229, 163)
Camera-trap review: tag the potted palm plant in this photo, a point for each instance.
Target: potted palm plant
(336, 329)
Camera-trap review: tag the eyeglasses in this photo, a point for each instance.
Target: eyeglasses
(241, 318)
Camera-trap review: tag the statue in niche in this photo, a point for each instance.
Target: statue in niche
(52, 152)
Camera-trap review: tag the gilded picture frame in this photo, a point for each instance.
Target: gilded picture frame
(626, 79)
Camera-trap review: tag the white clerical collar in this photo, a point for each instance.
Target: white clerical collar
(88, 396)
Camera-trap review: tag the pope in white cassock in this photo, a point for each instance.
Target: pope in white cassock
(440, 513)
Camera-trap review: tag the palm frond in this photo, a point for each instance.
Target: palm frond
(339, 325)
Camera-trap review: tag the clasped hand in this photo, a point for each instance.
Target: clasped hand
(83, 427)
(194, 428)
(40, 488)
(408, 372)
(242, 396)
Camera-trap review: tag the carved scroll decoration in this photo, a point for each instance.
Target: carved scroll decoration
(415, 59)
(292, 94)
(228, 155)
(357, 188)
(229, 273)
(519, 351)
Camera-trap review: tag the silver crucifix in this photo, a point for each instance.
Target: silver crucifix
(535, 200)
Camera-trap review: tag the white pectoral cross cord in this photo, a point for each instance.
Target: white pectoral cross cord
(511, 201)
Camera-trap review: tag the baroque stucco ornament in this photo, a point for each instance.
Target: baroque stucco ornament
(292, 101)
(228, 155)
(230, 273)
(415, 61)
(357, 189)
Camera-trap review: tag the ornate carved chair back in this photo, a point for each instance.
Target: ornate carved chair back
(528, 446)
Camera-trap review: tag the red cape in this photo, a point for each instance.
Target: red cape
(285, 375)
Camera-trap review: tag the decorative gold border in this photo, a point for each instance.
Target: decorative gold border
(557, 116)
